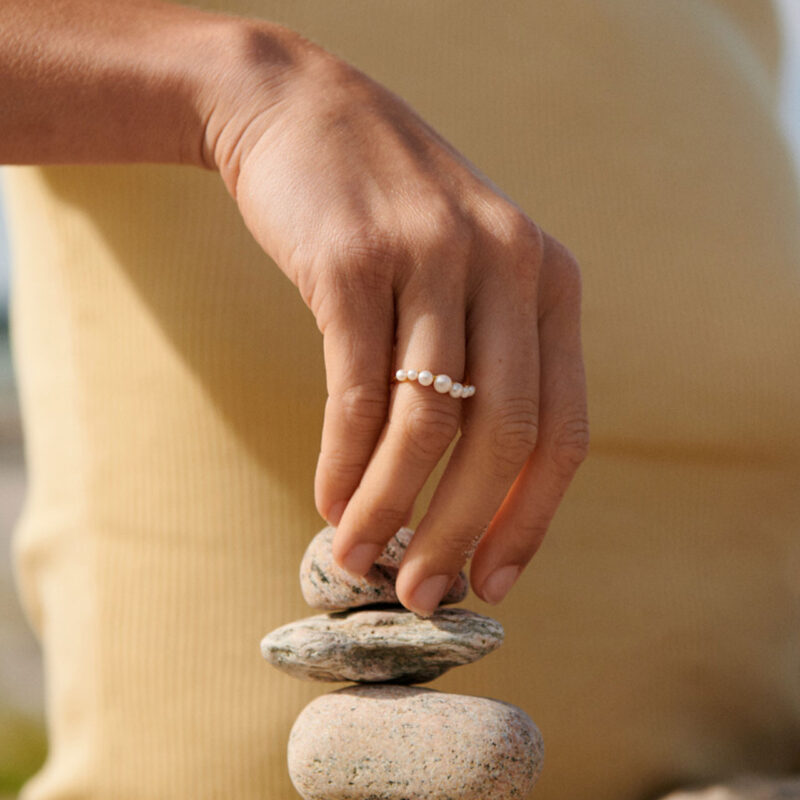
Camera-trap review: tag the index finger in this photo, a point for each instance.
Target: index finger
(358, 342)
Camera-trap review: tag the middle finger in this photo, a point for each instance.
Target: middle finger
(499, 434)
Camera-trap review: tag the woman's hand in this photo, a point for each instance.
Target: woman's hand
(410, 258)
(406, 255)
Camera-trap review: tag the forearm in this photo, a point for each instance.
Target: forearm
(105, 81)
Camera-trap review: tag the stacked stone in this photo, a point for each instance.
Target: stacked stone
(385, 739)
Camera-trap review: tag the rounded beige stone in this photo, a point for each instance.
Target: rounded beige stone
(328, 587)
(396, 742)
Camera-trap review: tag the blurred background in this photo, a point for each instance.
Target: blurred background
(22, 741)
(22, 744)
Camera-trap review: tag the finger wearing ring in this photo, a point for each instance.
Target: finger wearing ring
(443, 384)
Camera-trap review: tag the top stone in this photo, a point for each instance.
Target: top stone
(328, 587)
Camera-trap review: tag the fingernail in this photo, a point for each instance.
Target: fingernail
(335, 513)
(426, 597)
(497, 585)
(361, 557)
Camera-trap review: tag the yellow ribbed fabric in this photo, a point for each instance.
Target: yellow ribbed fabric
(172, 386)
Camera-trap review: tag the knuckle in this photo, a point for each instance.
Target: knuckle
(529, 533)
(456, 550)
(443, 236)
(562, 279)
(341, 466)
(446, 231)
(527, 239)
(362, 406)
(357, 267)
(382, 517)
(513, 434)
(359, 248)
(318, 294)
(342, 287)
(518, 243)
(437, 220)
(516, 233)
(569, 446)
(456, 545)
(429, 428)
(569, 271)
(355, 274)
(527, 256)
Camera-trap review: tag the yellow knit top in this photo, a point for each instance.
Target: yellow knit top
(172, 387)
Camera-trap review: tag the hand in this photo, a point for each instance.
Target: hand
(409, 257)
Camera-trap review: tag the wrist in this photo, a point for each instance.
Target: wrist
(247, 80)
(114, 81)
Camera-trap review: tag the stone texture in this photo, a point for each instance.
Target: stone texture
(328, 587)
(397, 742)
(381, 646)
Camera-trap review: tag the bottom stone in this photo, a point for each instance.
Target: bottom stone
(387, 742)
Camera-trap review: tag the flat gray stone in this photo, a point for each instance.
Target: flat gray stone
(381, 646)
(397, 742)
(328, 587)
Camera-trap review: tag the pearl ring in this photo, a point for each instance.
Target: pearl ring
(443, 384)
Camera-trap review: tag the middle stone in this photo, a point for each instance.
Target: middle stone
(381, 646)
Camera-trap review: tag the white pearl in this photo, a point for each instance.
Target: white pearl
(443, 384)
(401, 375)
(457, 390)
(412, 374)
(471, 391)
(466, 391)
(425, 377)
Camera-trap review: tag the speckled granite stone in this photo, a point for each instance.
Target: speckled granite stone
(400, 743)
(328, 587)
(381, 646)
